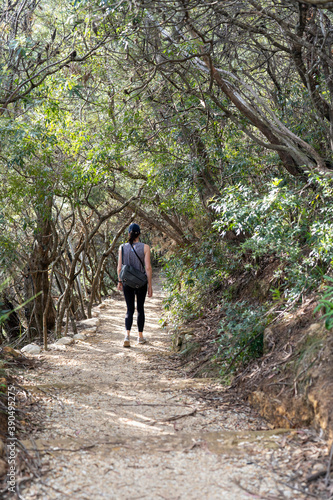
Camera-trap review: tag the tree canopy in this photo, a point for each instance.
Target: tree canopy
(209, 122)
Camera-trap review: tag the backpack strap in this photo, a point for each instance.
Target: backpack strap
(137, 256)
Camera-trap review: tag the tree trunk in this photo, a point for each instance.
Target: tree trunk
(12, 325)
(38, 269)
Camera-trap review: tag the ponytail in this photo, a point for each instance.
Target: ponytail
(132, 235)
(133, 232)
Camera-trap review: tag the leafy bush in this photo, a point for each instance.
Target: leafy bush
(287, 221)
(191, 276)
(241, 335)
(283, 219)
(326, 303)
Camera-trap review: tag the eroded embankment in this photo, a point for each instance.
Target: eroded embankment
(291, 385)
(294, 385)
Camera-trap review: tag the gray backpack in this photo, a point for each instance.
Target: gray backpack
(130, 276)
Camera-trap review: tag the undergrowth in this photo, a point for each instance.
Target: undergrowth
(241, 335)
(286, 221)
(192, 277)
(289, 222)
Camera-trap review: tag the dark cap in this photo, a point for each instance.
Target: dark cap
(134, 228)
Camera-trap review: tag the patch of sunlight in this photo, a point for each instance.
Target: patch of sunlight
(141, 425)
(119, 396)
(89, 346)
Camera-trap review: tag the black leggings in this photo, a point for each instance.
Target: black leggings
(129, 294)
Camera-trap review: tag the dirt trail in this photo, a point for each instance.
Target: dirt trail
(122, 424)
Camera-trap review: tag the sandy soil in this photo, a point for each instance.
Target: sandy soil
(124, 424)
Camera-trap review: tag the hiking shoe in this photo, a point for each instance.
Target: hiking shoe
(127, 342)
(141, 340)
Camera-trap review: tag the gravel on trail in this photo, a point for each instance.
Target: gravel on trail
(124, 424)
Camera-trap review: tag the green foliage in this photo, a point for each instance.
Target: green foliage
(241, 335)
(126, 110)
(191, 275)
(326, 304)
(4, 312)
(285, 221)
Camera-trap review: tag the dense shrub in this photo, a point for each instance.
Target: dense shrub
(290, 222)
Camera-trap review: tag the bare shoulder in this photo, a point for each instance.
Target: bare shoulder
(146, 248)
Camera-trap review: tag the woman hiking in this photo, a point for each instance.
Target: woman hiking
(136, 254)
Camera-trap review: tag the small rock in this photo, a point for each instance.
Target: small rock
(91, 322)
(79, 336)
(31, 349)
(89, 331)
(101, 306)
(95, 314)
(56, 347)
(3, 468)
(65, 341)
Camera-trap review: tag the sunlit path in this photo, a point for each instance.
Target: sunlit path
(119, 427)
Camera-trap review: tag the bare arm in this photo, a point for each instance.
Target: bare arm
(120, 285)
(149, 270)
